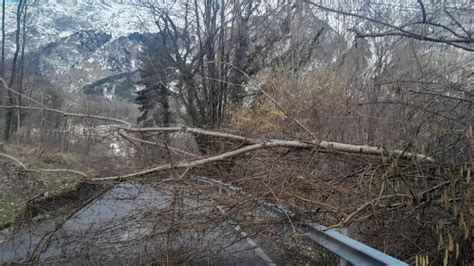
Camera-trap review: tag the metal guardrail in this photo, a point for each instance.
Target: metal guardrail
(347, 248)
(341, 245)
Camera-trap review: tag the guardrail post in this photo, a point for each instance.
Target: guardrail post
(343, 262)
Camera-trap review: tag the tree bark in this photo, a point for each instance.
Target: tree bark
(11, 100)
(2, 66)
(22, 65)
(2, 70)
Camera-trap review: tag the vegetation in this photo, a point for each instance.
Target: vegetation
(22, 188)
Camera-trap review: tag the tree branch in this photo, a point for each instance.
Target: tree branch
(64, 113)
(176, 150)
(423, 10)
(258, 144)
(398, 30)
(25, 168)
(45, 108)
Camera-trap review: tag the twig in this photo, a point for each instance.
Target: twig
(457, 22)
(42, 107)
(182, 165)
(288, 115)
(173, 170)
(176, 150)
(43, 244)
(423, 10)
(397, 30)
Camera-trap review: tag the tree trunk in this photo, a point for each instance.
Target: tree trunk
(11, 100)
(2, 70)
(2, 66)
(22, 66)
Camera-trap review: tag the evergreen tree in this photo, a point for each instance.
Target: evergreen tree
(154, 99)
(154, 106)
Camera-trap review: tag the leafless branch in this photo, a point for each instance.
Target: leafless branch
(42, 107)
(398, 30)
(25, 168)
(423, 10)
(68, 114)
(176, 150)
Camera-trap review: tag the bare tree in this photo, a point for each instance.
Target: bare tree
(16, 79)
(208, 50)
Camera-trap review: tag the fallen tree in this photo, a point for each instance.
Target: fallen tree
(258, 144)
(253, 144)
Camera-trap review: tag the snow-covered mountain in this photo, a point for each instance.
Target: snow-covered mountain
(92, 62)
(89, 46)
(51, 20)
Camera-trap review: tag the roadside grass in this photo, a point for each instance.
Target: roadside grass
(19, 188)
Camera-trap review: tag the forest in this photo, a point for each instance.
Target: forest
(229, 132)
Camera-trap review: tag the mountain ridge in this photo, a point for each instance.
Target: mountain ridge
(51, 20)
(83, 46)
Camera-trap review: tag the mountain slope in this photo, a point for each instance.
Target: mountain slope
(92, 62)
(87, 46)
(51, 20)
